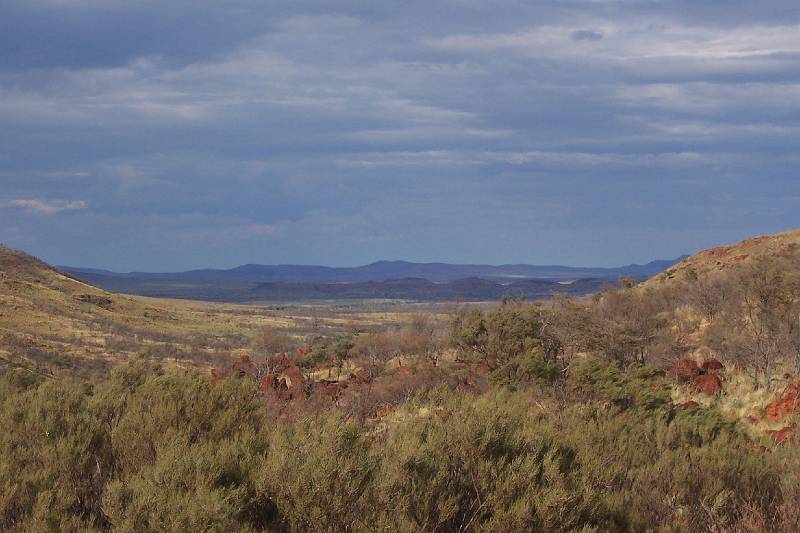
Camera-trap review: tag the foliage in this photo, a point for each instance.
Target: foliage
(603, 380)
(531, 367)
(503, 333)
(147, 449)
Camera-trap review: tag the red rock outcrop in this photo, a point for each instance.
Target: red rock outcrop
(683, 370)
(781, 436)
(360, 377)
(787, 404)
(709, 384)
(712, 365)
(244, 367)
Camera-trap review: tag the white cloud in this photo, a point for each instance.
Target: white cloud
(44, 207)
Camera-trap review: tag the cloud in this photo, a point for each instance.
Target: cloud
(587, 35)
(44, 207)
(331, 132)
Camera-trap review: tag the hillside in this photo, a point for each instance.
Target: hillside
(49, 321)
(726, 257)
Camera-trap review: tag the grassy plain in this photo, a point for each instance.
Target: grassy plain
(51, 321)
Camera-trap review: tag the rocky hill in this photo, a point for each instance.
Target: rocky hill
(726, 257)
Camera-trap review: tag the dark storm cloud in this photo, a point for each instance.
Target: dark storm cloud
(163, 135)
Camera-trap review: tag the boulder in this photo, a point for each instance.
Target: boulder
(294, 378)
(95, 299)
(787, 404)
(781, 436)
(711, 365)
(244, 367)
(709, 384)
(683, 370)
(360, 377)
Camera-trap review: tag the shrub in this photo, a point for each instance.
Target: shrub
(479, 465)
(525, 369)
(56, 457)
(318, 473)
(603, 380)
(194, 487)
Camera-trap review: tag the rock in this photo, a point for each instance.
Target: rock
(294, 378)
(709, 384)
(683, 370)
(268, 382)
(781, 436)
(787, 404)
(711, 364)
(241, 368)
(303, 351)
(95, 299)
(333, 389)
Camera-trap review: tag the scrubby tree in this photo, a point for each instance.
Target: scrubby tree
(498, 335)
(269, 341)
(758, 326)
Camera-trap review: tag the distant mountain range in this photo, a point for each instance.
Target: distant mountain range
(382, 279)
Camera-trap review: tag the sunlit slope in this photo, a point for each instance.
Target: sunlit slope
(722, 258)
(48, 319)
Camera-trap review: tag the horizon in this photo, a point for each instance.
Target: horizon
(379, 261)
(165, 136)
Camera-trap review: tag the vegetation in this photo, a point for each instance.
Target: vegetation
(654, 407)
(171, 451)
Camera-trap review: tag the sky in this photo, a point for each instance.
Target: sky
(166, 135)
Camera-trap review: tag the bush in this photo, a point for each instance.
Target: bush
(479, 465)
(56, 456)
(603, 380)
(318, 473)
(194, 487)
(501, 334)
(527, 368)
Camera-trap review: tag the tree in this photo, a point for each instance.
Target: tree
(503, 333)
(708, 294)
(269, 341)
(758, 327)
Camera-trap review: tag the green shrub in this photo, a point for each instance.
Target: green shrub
(56, 457)
(527, 368)
(194, 487)
(602, 379)
(480, 465)
(318, 473)
(147, 450)
(179, 406)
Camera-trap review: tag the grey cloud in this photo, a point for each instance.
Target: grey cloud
(587, 35)
(338, 132)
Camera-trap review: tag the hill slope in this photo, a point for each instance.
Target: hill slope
(50, 321)
(725, 257)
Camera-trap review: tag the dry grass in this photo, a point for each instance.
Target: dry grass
(43, 323)
(724, 258)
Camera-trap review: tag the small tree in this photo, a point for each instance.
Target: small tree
(501, 334)
(708, 294)
(758, 327)
(269, 341)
